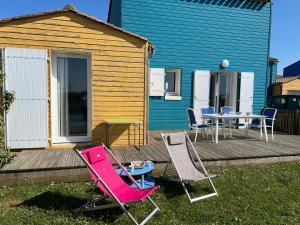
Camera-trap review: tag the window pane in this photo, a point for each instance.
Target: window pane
(225, 90)
(170, 81)
(72, 96)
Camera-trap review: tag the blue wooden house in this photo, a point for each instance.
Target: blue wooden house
(207, 53)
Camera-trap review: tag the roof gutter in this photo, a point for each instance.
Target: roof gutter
(268, 56)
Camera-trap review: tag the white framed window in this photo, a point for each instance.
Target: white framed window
(173, 84)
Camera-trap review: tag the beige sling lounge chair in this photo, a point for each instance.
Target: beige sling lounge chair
(187, 170)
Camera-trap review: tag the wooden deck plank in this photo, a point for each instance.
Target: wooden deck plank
(69, 161)
(236, 148)
(18, 160)
(30, 162)
(55, 159)
(61, 162)
(36, 162)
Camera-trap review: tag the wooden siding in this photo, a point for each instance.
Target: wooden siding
(293, 85)
(119, 62)
(288, 121)
(277, 89)
(197, 35)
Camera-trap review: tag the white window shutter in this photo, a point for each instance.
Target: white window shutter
(27, 119)
(157, 82)
(201, 91)
(246, 92)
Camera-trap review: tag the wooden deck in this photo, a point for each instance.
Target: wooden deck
(31, 166)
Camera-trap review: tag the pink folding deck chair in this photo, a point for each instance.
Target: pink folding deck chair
(112, 185)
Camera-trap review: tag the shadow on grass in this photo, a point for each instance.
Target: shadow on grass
(172, 188)
(56, 201)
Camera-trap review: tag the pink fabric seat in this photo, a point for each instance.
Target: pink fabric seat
(98, 159)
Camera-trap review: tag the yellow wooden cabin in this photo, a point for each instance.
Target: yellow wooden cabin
(71, 73)
(287, 86)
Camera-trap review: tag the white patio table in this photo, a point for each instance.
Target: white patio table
(217, 117)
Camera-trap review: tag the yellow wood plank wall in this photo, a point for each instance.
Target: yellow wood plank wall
(293, 85)
(277, 89)
(119, 65)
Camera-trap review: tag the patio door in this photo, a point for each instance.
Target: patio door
(71, 98)
(223, 90)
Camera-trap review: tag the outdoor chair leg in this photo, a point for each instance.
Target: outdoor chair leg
(272, 132)
(196, 135)
(223, 132)
(212, 134)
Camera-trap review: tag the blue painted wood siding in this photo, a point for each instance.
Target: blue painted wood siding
(198, 34)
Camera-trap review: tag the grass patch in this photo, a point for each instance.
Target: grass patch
(260, 195)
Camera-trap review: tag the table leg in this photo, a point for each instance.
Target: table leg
(142, 180)
(139, 136)
(230, 128)
(261, 127)
(265, 130)
(247, 128)
(217, 131)
(106, 141)
(129, 136)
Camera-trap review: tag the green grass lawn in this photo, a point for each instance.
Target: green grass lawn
(260, 195)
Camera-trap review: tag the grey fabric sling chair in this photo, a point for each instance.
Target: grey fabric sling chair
(182, 159)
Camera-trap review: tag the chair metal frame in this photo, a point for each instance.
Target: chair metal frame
(211, 122)
(196, 127)
(91, 205)
(192, 200)
(231, 122)
(272, 119)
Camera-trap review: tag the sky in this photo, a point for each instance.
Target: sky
(10, 8)
(285, 39)
(285, 44)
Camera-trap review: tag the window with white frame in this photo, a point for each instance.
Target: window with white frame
(172, 84)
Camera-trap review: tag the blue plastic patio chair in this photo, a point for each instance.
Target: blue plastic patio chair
(211, 110)
(208, 110)
(227, 110)
(270, 114)
(231, 123)
(193, 125)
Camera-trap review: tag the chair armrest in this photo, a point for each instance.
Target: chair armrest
(269, 119)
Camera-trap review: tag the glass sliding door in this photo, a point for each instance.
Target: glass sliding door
(223, 90)
(71, 98)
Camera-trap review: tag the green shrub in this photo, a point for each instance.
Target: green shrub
(5, 154)
(6, 100)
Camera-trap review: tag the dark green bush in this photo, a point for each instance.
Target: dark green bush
(6, 100)
(5, 154)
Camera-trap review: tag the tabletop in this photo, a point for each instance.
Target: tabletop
(123, 121)
(233, 116)
(137, 171)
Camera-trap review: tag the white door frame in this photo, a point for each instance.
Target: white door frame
(54, 109)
